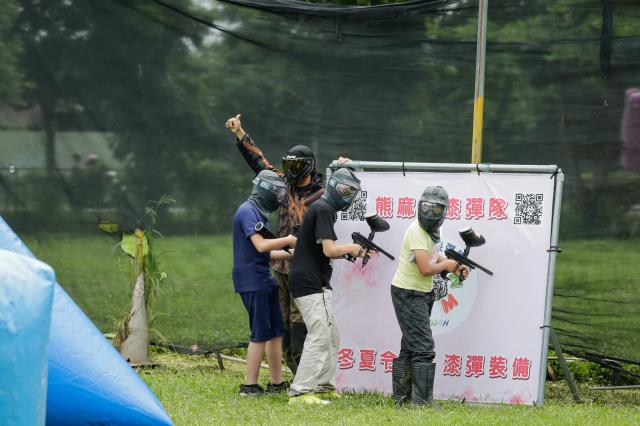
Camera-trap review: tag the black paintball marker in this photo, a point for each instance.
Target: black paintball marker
(470, 239)
(266, 233)
(377, 224)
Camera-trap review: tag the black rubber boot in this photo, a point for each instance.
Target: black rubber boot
(401, 380)
(422, 377)
(298, 334)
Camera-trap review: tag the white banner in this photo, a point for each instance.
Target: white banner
(488, 332)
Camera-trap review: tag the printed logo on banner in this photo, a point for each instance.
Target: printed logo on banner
(358, 208)
(528, 209)
(452, 310)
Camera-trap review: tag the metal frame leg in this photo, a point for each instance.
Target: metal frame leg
(563, 364)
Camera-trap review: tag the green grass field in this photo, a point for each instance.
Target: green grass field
(195, 392)
(197, 304)
(598, 279)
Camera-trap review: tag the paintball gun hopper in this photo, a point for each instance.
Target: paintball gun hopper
(470, 239)
(376, 223)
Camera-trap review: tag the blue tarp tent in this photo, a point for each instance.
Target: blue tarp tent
(26, 293)
(89, 382)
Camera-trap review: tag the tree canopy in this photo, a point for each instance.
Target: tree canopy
(161, 77)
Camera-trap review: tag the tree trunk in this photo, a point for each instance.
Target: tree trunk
(135, 348)
(48, 118)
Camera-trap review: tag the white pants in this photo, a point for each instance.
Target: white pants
(317, 368)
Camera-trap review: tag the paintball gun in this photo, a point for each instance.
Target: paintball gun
(470, 239)
(266, 233)
(377, 224)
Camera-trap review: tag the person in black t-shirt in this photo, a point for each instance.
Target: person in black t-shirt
(309, 281)
(305, 186)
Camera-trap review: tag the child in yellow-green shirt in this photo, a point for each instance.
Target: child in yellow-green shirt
(413, 297)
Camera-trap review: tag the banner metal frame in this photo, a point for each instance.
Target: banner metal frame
(555, 173)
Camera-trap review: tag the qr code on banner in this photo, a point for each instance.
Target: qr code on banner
(528, 209)
(358, 208)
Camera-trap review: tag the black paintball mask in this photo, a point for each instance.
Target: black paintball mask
(269, 192)
(298, 163)
(432, 209)
(342, 188)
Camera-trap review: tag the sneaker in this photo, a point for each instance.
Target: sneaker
(307, 398)
(251, 390)
(331, 394)
(281, 387)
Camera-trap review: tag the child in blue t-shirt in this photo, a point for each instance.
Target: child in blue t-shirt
(253, 281)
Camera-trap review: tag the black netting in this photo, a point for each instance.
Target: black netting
(109, 104)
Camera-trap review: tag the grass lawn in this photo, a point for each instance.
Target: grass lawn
(596, 280)
(197, 304)
(596, 293)
(195, 392)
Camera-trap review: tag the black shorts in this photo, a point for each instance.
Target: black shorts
(265, 318)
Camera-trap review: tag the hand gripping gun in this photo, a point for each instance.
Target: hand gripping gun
(266, 233)
(470, 239)
(376, 224)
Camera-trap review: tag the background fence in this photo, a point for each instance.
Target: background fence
(109, 104)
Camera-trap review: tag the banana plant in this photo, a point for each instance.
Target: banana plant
(132, 336)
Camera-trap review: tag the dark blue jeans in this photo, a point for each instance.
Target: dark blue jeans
(413, 311)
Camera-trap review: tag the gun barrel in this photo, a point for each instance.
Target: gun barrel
(452, 254)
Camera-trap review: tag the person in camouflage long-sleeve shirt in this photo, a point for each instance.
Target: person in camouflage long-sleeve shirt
(305, 186)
